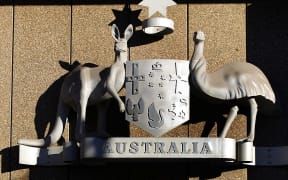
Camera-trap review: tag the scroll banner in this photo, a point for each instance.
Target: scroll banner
(167, 148)
(227, 150)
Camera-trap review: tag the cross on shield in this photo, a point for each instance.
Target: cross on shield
(161, 90)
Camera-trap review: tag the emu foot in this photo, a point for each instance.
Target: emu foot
(247, 139)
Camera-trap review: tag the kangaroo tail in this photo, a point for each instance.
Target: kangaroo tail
(55, 134)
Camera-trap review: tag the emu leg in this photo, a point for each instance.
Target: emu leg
(253, 114)
(232, 115)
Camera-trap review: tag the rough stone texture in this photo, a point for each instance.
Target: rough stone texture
(91, 36)
(173, 46)
(42, 38)
(224, 26)
(6, 27)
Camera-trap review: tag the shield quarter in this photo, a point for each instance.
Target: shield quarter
(157, 94)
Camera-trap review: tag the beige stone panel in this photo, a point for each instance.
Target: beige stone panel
(224, 26)
(92, 41)
(172, 46)
(41, 39)
(6, 29)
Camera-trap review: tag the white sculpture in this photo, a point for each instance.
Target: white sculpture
(87, 86)
(236, 81)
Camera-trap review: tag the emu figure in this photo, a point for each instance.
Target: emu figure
(235, 82)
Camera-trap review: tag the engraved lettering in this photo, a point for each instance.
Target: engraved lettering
(195, 147)
(173, 148)
(159, 147)
(185, 150)
(107, 148)
(206, 148)
(118, 147)
(146, 146)
(134, 147)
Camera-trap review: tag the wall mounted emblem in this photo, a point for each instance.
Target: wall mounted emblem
(157, 100)
(157, 94)
(157, 25)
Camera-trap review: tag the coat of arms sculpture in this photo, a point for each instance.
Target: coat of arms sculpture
(157, 100)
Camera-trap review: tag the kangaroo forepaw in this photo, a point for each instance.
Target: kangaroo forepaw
(122, 107)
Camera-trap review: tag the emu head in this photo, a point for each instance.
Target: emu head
(121, 46)
(199, 36)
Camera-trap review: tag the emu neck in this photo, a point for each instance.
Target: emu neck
(198, 52)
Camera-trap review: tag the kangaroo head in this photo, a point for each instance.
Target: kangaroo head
(121, 42)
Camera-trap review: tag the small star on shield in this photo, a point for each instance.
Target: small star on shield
(162, 77)
(160, 96)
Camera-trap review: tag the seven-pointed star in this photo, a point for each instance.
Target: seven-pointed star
(125, 17)
(157, 6)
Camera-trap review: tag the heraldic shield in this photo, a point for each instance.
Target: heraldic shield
(157, 94)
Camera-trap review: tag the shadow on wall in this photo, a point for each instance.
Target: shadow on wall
(128, 16)
(267, 48)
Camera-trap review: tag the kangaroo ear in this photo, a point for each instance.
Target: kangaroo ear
(115, 32)
(128, 32)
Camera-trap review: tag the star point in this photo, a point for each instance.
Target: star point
(125, 17)
(157, 6)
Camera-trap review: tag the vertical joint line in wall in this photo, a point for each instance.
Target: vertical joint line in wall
(70, 56)
(187, 42)
(11, 88)
(71, 21)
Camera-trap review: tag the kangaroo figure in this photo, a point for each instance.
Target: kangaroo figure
(85, 86)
